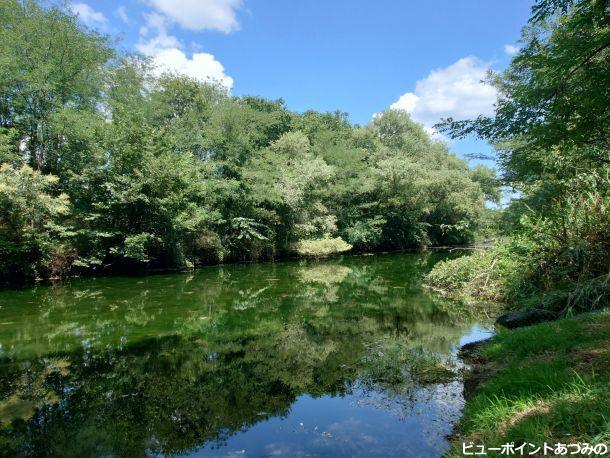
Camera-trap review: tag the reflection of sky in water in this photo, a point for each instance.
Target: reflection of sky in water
(361, 424)
(334, 426)
(287, 358)
(476, 333)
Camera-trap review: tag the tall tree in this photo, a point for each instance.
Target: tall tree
(50, 70)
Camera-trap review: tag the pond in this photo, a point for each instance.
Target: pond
(343, 357)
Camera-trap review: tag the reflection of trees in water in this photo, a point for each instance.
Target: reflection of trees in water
(242, 343)
(242, 299)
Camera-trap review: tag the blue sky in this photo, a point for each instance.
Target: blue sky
(357, 56)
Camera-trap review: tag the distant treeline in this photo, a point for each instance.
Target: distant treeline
(104, 165)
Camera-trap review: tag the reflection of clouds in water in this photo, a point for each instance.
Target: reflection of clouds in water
(236, 454)
(350, 422)
(275, 449)
(433, 408)
(349, 436)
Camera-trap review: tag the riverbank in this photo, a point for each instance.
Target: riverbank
(544, 383)
(143, 270)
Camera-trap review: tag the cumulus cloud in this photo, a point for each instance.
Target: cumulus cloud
(162, 40)
(406, 102)
(455, 91)
(168, 56)
(87, 14)
(201, 14)
(201, 66)
(511, 50)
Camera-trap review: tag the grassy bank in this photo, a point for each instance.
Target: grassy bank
(545, 383)
(523, 274)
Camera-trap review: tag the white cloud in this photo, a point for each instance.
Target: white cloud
(201, 14)
(168, 56)
(436, 135)
(202, 66)
(87, 14)
(162, 40)
(121, 12)
(511, 50)
(406, 102)
(455, 91)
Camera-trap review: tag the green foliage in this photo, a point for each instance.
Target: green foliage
(136, 246)
(487, 179)
(48, 66)
(31, 219)
(551, 128)
(557, 258)
(8, 139)
(169, 172)
(317, 248)
(554, 96)
(557, 261)
(485, 274)
(366, 233)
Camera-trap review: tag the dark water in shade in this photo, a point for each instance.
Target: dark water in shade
(281, 359)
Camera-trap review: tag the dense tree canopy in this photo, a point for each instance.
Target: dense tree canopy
(552, 112)
(552, 132)
(167, 171)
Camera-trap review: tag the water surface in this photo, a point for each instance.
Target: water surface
(279, 359)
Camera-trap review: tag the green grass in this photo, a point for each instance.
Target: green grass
(521, 274)
(485, 274)
(545, 383)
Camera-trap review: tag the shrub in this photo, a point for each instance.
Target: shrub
(30, 222)
(484, 274)
(560, 261)
(318, 248)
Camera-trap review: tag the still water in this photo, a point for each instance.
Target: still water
(332, 358)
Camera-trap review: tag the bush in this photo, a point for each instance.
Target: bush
(560, 261)
(318, 248)
(30, 222)
(484, 274)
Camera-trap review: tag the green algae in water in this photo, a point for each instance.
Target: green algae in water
(346, 357)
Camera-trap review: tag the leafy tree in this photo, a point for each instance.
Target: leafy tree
(164, 171)
(50, 69)
(31, 227)
(488, 181)
(552, 112)
(551, 129)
